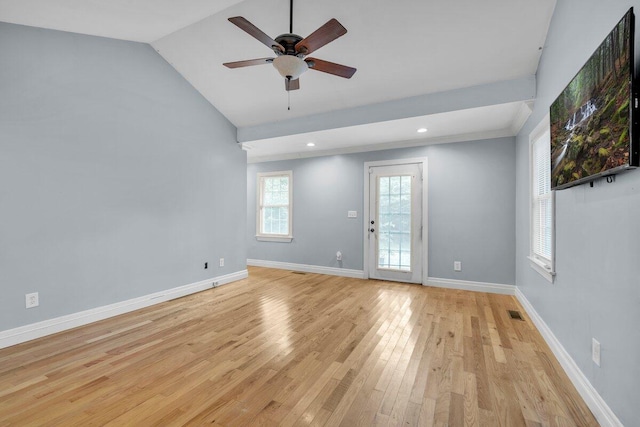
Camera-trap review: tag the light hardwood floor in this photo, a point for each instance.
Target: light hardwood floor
(282, 348)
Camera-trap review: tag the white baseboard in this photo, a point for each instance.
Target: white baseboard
(47, 327)
(465, 285)
(594, 401)
(332, 271)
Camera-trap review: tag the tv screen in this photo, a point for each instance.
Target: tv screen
(591, 121)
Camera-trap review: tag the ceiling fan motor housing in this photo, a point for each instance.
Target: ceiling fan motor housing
(289, 42)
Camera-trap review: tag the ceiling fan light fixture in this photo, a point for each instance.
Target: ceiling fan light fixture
(290, 66)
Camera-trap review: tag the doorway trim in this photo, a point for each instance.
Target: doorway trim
(422, 161)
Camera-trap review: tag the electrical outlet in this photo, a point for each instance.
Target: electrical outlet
(352, 214)
(595, 351)
(221, 262)
(339, 256)
(457, 266)
(32, 300)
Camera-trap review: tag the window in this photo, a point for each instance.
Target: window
(542, 201)
(274, 207)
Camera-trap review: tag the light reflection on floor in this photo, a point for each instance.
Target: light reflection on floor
(276, 321)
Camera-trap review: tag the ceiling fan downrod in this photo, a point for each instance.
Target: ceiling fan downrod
(290, 16)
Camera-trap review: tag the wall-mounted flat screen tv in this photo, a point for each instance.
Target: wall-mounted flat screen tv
(592, 121)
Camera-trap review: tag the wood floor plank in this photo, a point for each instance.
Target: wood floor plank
(285, 349)
(471, 411)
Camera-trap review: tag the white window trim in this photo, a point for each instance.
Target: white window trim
(544, 267)
(285, 238)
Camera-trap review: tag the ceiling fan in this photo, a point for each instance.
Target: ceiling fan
(290, 50)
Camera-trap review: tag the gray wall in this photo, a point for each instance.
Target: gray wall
(471, 209)
(117, 179)
(597, 288)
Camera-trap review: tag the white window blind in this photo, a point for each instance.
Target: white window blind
(542, 209)
(541, 201)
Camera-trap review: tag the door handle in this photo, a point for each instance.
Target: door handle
(372, 230)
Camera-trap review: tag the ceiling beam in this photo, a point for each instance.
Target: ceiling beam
(522, 89)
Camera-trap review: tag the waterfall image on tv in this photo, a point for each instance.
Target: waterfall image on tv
(591, 119)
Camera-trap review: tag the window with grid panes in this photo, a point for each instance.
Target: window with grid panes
(274, 206)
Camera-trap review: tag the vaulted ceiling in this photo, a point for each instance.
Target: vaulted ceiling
(461, 68)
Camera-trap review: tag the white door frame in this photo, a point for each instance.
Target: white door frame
(422, 161)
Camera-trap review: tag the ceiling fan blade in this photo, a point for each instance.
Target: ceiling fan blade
(320, 37)
(330, 67)
(292, 84)
(248, 62)
(255, 32)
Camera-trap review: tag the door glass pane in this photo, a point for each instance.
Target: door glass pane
(394, 222)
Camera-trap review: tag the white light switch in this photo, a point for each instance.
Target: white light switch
(352, 214)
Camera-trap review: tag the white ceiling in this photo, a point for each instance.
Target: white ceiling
(137, 20)
(402, 49)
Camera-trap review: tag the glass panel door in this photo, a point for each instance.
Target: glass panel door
(395, 223)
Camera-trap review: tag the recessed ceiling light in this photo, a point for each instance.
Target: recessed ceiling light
(422, 130)
(311, 144)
